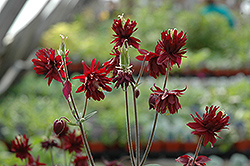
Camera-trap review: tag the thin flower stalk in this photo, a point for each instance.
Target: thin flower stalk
(84, 138)
(153, 127)
(83, 133)
(137, 136)
(143, 160)
(75, 113)
(65, 160)
(68, 101)
(167, 74)
(51, 155)
(198, 148)
(71, 95)
(86, 144)
(130, 147)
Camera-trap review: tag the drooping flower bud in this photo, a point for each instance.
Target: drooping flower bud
(58, 126)
(151, 101)
(137, 92)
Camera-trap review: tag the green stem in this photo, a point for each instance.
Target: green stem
(130, 147)
(198, 148)
(137, 136)
(154, 124)
(26, 161)
(150, 140)
(71, 157)
(74, 105)
(51, 155)
(86, 144)
(77, 117)
(65, 161)
(166, 78)
(70, 107)
(85, 107)
(141, 71)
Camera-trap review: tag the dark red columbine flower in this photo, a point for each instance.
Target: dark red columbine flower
(171, 45)
(49, 64)
(81, 160)
(49, 143)
(73, 142)
(114, 63)
(94, 81)
(21, 147)
(165, 99)
(153, 67)
(188, 160)
(210, 124)
(124, 32)
(123, 78)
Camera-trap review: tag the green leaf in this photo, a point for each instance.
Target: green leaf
(72, 124)
(88, 116)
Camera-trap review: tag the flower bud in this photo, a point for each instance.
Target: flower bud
(151, 101)
(62, 48)
(58, 126)
(137, 93)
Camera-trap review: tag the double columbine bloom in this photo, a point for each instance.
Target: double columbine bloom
(124, 30)
(113, 64)
(20, 145)
(73, 142)
(168, 51)
(207, 126)
(48, 63)
(94, 81)
(187, 160)
(153, 67)
(211, 123)
(171, 44)
(161, 100)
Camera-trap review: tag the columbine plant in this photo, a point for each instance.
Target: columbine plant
(169, 51)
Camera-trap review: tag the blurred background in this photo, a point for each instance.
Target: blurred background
(216, 71)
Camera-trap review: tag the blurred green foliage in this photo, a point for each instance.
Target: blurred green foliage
(31, 109)
(225, 47)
